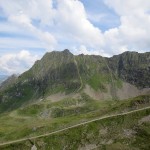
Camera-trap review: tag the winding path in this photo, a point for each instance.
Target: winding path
(80, 124)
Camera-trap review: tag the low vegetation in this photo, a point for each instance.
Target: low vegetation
(113, 133)
(46, 116)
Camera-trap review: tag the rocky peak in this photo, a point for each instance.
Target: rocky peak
(66, 51)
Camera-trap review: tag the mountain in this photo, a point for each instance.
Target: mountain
(9, 81)
(133, 67)
(67, 101)
(62, 74)
(3, 78)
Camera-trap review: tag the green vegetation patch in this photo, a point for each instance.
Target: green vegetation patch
(16, 96)
(47, 116)
(97, 82)
(31, 110)
(120, 132)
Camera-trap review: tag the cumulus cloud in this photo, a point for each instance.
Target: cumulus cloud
(16, 63)
(23, 21)
(71, 19)
(129, 7)
(21, 13)
(68, 21)
(65, 23)
(133, 32)
(82, 49)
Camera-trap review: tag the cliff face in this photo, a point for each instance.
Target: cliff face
(133, 67)
(63, 72)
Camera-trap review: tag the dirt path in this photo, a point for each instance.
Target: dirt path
(61, 130)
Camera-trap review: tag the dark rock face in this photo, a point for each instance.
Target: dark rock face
(64, 72)
(133, 67)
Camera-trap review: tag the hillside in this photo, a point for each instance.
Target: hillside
(78, 98)
(62, 74)
(112, 133)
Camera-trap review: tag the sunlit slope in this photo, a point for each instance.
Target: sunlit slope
(125, 132)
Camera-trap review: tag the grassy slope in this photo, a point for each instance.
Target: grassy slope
(118, 133)
(45, 116)
(16, 96)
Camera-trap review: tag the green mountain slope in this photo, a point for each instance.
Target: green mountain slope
(63, 90)
(111, 133)
(62, 72)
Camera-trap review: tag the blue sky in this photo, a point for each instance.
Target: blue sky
(28, 29)
(101, 15)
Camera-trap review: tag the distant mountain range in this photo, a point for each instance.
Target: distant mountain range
(3, 78)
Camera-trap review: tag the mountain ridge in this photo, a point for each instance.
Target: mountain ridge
(63, 72)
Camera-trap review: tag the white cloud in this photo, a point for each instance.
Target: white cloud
(34, 9)
(23, 21)
(82, 49)
(69, 25)
(69, 22)
(7, 27)
(21, 14)
(63, 23)
(133, 32)
(16, 62)
(129, 7)
(14, 43)
(71, 19)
